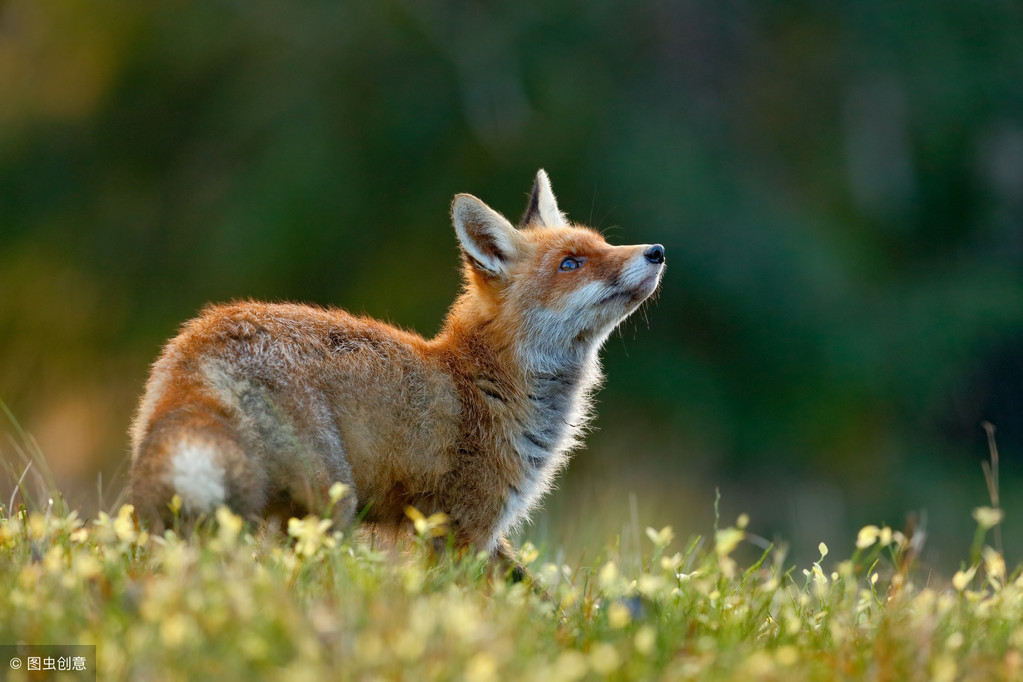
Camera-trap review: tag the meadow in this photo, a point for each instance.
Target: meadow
(229, 601)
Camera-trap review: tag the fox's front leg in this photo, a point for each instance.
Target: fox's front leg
(504, 558)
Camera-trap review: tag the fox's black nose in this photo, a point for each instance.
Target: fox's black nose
(655, 254)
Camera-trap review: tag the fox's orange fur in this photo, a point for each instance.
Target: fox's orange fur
(263, 406)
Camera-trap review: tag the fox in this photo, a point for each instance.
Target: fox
(262, 407)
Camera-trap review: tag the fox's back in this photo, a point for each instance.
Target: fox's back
(303, 379)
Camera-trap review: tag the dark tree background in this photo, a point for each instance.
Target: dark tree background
(838, 184)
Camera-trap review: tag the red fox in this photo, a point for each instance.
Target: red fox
(262, 407)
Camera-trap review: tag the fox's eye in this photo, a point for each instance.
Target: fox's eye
(570, 264)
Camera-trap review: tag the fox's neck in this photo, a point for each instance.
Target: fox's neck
(540, 386)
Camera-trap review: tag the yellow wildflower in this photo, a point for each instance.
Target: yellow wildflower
(604, 659)
(618, 615)
(481, 668)
(229, 526)
(337, 491)
(124, 524)
(311, 533)
(570, 666)
(645, 640)
(662, 537)
(994, 564)
(727, 540)
(867, 536)
(988, 517)
(962, 578)
(432, 526)
(671, 563)
(528, 553)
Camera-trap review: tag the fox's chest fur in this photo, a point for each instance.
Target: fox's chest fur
(536, 420)
(262, 407)
(557, 410)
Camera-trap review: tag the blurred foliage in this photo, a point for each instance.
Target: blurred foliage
(839, 187)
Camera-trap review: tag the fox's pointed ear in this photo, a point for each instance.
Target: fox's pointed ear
(489, 240)
(542, 207)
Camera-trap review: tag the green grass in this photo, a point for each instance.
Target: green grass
(320, 604)
(223, 603)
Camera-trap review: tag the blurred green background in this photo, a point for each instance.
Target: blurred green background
(838, 185)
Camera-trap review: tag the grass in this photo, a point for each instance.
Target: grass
(317, 603)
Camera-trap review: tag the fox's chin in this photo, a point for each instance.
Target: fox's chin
(629, 296)
(632, 297)
(642, 293)
(620, 305)
(648, 286)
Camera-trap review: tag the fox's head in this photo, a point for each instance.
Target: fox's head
(555, 289)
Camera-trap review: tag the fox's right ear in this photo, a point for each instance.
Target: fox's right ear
(542, 207)
(489, 240)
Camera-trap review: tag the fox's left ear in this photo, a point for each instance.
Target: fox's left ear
(542, 207)
(489, 240)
